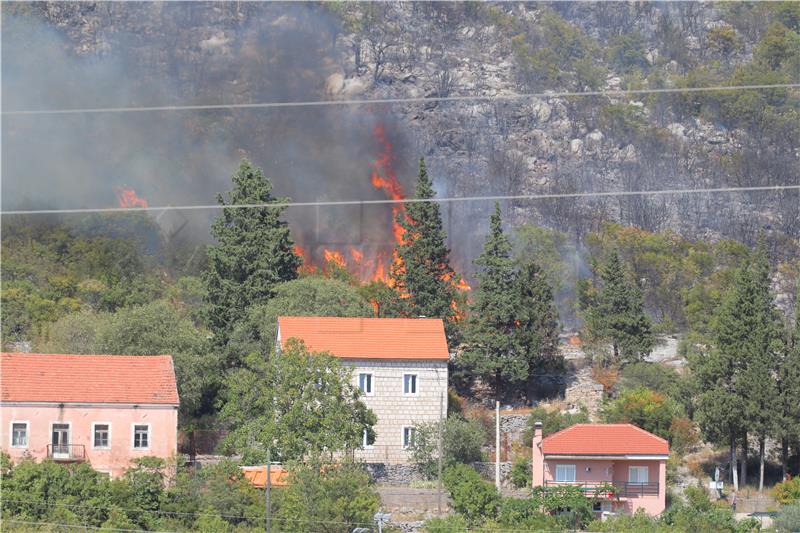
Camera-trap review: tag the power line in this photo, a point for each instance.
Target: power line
(454, 199)
(406, 100)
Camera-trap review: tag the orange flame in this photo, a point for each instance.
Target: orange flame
(128, 198)
(357, 255)
(334, 256)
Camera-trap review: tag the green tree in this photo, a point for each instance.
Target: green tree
(492, 349)
(158, 328)
(788, 389)
(462, 441)
(253, 253)
(296, 403)
(552, 421)
(537, 319)
(473, 498)
(615, 314)
(644, 408)
(332, 498)
(423, 271)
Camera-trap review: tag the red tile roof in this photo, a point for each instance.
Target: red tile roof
(604, 439)
(369, 338)
(137, 379)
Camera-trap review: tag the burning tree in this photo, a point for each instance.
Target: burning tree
(254, 251)
(421, 269)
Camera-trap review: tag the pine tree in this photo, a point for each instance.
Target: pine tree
(252, 255)
(788, 386)
(424, 272)
(492, 349)
(537, 318)
(616, 315)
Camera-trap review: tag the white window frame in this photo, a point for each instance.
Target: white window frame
(415, 381)
(133, 436)
(27, 434)
(605, 506)
(364, 443)
(69, 432)
(567, 467)
(371, 383)
(412, 434)
(639, 470)
(109, 435)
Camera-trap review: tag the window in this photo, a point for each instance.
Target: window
(102, 435)
(365, 383)
(565, 473)
(409, 384)
(408, 436)
(19, 434)
(637, 474)
(601, 507)
(369, 438)
(141, 436)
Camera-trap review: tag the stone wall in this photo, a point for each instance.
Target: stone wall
(396, 410)
(486, 469)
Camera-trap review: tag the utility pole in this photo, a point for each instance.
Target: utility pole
(439, 477)
(497, 445)
(267, 487)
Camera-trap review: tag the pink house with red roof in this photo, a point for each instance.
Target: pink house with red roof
(597, 456)
(102, 409)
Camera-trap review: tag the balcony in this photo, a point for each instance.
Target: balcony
(622, 489)
(68, 453)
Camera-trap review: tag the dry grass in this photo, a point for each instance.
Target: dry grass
(606, 376)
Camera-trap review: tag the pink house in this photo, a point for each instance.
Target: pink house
(102, 409)
(596, 455)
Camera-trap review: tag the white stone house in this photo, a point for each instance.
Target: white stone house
(400, 365)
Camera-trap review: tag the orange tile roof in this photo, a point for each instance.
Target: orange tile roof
(257, 476)
(604, 439)
(60, 378)
(369, 338)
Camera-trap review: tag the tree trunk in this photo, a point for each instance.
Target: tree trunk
(743, 473)
(734, 473)
(784, 458)
(761, 447)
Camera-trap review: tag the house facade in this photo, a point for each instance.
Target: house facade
(106, 410)
(399, 364)
(598, 456)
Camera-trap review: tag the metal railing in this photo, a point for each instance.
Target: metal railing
(66, 452)
(623, 489)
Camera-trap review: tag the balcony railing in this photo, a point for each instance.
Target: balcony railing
(66, 452)
(623, 489)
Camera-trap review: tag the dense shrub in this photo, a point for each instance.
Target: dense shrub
(552, 421)
(788, 492)
(473, 498)
(461, 440)
(647, 409)
(788, 518)
(521, 473)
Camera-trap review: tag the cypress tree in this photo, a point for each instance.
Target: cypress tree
(788, 387)
(537, 318)
(492, 349)
(424, 273)
(616, 315)
(253, 253)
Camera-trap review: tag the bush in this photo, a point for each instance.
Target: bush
(462, 441)
(448, 524)
(473, 498)
(552, 421)
(647, 409)
(521, 473)
(788, 492)
(788, 518)
(525, 513)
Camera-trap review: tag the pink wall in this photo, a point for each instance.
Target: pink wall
(163, 422)
(544, 470)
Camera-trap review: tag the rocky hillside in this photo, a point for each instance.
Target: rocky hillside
(510, 145)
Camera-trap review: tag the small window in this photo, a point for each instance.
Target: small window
(603, 506)
(141, 436)
(19, 434)
(365, 383)
(637, 474)
(102, 433)
(409, 433)
(409, 383)
(369, 438)
(565, 473)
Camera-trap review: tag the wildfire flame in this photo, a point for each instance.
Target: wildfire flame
(334, 256)
(128, 198)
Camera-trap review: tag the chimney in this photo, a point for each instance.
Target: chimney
(537, 456)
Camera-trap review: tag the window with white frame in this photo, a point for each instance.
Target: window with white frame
(19, 434)
(141, 436)
(409, 384)
(409, 433)
(565, 473)
(637, 474)
(365, 383)
(603, 506)
(102, 435)
(369, 438)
